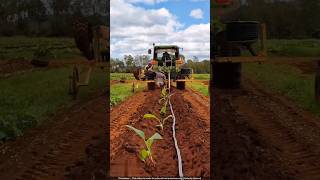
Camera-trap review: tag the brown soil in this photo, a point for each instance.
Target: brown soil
(261, 135)
(205, 82)
(10, 66)
(114, 81)
(57, 148)
(16, 66)
(192, 129)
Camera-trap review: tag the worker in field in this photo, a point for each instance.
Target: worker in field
(160, 79)
(145, 73)
(138, 73)
(148, 72)
(149, 67)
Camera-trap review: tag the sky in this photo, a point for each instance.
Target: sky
(136, 24)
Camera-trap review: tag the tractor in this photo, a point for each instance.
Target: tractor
(234, 42)
(93, 42)
(167, 60)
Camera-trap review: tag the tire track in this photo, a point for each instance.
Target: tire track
(294, 153)
(276, 127)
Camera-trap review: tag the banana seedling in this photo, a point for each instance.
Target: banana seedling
(160, 120)
(164, 99)
(164, 95)
(146, 152)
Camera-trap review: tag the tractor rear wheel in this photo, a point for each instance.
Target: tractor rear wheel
(151, 86)
(181, 85)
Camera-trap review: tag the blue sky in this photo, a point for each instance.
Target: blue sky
(136, 24)
(182, 9)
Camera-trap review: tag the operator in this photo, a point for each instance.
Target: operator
(165, 56)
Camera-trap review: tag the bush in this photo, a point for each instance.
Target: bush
(43, 53)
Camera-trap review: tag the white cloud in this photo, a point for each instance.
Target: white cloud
(133, 30)
(196, 13)
(151, 2)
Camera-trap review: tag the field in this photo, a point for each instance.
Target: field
(119, 91)
(272, 122)
(40, 122)
(291, 48)
(268, 129)
(119, 76)
(29, 99)
(293, 78)
(294, 48)
(192, 122)
(24, 47)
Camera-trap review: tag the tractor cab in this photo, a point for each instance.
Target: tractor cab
(166, 56)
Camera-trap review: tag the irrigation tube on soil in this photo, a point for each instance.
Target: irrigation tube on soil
(175, 141)
(174, 131)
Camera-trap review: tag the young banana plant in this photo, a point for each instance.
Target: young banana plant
(164, 99)
(146, 152)
(160, 120)
(164, 95)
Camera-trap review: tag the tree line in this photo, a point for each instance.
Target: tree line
(284, 18)
(49, 17)
(128, 63)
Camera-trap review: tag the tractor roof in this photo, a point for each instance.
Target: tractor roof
(166, 47)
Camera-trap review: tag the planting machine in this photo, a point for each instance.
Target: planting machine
(93, 42)
(166, 58)
(234, 43)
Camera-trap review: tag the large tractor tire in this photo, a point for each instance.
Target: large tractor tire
(227, 75)
(181, 85)
(151, 86)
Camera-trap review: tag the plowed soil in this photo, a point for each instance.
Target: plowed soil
(13, 67)
(58, 148)
(10, 66)
(262, 135)
(192, 130)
